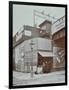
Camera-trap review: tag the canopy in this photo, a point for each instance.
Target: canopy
(46, 54)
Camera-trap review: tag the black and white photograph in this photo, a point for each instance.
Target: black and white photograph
(38, 40)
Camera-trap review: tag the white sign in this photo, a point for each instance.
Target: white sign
(27, 33)
(58, 25)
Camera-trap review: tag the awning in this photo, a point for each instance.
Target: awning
(46, 54)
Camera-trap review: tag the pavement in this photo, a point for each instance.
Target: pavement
(20, 78)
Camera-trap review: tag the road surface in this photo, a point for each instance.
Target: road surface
(20, 78)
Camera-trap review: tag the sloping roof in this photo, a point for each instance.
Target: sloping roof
(46, 54)
(46, 21)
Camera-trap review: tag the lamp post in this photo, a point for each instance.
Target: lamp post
(23, 33)
(22, 56)
(32, 58)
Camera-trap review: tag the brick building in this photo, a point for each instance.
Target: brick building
(42, 47)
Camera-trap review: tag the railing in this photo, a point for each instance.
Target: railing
(18, 36)
(23, 33)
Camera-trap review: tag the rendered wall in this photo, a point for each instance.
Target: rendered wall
(27, 53)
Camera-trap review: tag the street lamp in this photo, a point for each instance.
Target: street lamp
(32, 58)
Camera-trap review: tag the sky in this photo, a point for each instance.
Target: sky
(23, 15)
